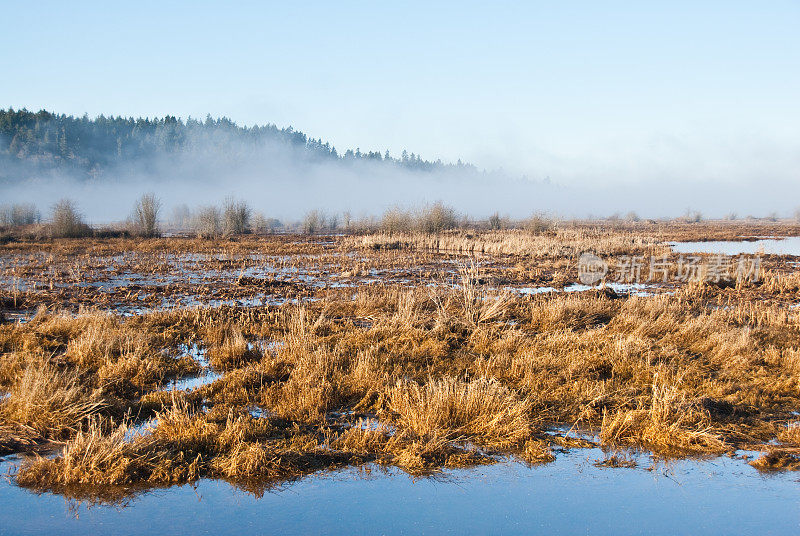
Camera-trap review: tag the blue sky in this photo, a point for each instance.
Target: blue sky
(578, 91)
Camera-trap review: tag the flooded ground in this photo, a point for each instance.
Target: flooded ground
(768, 246)
(569, 496)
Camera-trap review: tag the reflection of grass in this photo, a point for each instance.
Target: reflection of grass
(411, 376)
(617, 459)
(778, 459)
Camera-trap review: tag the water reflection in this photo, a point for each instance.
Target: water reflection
(572, 495)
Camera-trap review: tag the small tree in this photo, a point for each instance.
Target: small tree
(67, 222)
(236, 217)
(182, 217)
(208, 222)
(145, 216)
(495, 222)
(313, 222)
(332, 222)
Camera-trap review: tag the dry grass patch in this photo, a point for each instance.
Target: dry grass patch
(49, 401)
(481, 410)
(667, 423)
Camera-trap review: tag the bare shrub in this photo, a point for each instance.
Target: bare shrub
(632, 216)
(539, 224)
(236, 217)
(396, 220)
(332, 222)
(364, 224)
(316, 221)
(19, 214)
(313, 222)
(347, 220)
(144, 221)
(262, 224)
(67, 222)
(692, 216)
(207, 222)
(497, 222)
(181, 218)
(437, 218)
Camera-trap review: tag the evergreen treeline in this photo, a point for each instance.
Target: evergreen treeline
(43, 141)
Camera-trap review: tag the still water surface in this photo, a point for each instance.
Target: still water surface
(569, 496)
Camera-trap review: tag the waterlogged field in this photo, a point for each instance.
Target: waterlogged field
(466, 381)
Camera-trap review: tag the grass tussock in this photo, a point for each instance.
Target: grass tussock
(666, 422)
(50, 402)
(480, 410)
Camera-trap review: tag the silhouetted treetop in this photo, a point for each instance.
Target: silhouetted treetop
(44, 141)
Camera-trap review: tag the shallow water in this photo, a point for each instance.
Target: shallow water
(569, 496)
(206, 375)
(634, 289)
(772, 246)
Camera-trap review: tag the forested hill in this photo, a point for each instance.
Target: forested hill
(39, 143)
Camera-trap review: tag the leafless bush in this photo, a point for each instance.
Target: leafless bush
(497, 222)
(67, 222)
(332, 222)
(539, 224)
(396, 220)
(313, 222)
(316, 221)
(632, 216)
(207, 222)
(365, 224)
(236, 217)
(437, 218)
(19, 214)
(145, 216)
(263, 224)
(347, 220)
(692, 216)
(182, 218)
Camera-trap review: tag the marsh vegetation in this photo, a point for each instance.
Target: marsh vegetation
(411, 348)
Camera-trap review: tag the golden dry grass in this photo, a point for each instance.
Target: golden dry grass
(443, 369)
